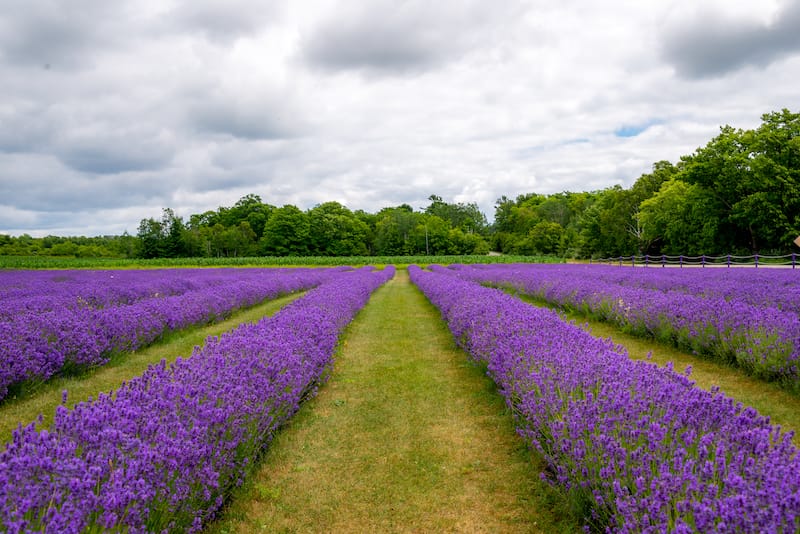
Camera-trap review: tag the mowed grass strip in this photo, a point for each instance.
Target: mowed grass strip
(407, 436)
(45, 397)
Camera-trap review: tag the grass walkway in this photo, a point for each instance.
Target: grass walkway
(45, 397)
(407, 436)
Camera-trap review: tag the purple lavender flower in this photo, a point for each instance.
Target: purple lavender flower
(640, 446)
(747, 318)
(162, 452)
(52, 321)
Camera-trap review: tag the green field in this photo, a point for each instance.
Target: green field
(54, 262)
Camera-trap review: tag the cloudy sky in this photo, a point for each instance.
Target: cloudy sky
(113, 110)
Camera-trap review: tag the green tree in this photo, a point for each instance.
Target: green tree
(151, 238)
(248, 209)
(545, 237)
(162, 239)
(608, 227)
(755, 176)
(370, 221)
(772, 209)
(393, 231)
(336, 231)
(468, 217)
(681, 219)
(722, 168)
(205, 219)
(470, 243)
(173, 229)
(64, 248)
(286, 233)
(430, 235)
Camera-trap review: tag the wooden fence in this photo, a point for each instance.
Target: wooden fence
(727, 260)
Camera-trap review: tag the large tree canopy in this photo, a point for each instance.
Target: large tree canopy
(755, 177)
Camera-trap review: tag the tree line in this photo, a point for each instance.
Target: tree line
(254, 228)
(739, 194)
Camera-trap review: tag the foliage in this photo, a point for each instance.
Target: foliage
(37, 262)
(336, 231)
(162, 238)
(681, 218)
(286, 233)
(755, 177)
(465, 217)
(121, 246)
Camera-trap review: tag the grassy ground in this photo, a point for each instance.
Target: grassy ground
(43, 399)
(407, 436)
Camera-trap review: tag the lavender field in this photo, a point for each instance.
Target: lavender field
(746, 318)
(56, 321)
(639, 447)
(635, 447)
(162, 452)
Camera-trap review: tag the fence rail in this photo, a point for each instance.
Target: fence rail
(728, 260)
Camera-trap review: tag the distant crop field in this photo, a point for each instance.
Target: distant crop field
(40, 262)
(629, 444)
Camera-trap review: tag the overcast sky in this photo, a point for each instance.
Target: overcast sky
(113, 110)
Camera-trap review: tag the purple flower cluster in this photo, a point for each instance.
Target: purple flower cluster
(637, 446)
(51, 321)
(162, 452)
(727, 314)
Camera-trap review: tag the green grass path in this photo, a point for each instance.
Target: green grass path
(407, 436)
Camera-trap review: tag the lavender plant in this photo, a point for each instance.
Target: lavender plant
(162, 452)
(52, 322)
(705, 315)
(639, 448)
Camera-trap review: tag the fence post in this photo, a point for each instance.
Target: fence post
(620, 261)
(756, 257)
(633, 260)
(663, 260)
(793, 260)
(729, 261)
(680, 259)
(703, 261)
(646, 260)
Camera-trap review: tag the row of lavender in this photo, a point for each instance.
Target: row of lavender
(639, 446)
(741, 328)
(763, 287)
(163, 451)
(56, 320)
(45, 290)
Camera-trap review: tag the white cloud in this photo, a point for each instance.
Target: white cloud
(108, 117)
